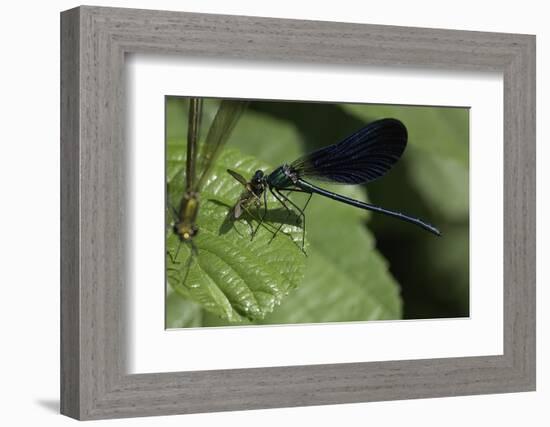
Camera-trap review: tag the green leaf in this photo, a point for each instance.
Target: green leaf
(346, 278)
(232, 276)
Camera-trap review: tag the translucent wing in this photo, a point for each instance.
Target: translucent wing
(238, 177)
(193, 128)
(227, 116)
(361, 157)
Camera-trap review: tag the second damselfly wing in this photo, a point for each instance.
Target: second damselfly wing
(199, 162)
(362, 157)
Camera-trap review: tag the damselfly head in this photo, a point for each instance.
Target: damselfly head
(258, 176)
(186, 231)
(257, 183)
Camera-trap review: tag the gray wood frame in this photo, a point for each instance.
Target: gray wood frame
(94, 383)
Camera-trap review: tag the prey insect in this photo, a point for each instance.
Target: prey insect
(362, 157)
(199, 165)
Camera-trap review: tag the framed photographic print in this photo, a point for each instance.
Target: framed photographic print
(261, 213)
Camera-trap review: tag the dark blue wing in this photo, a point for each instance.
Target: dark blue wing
(361, 157)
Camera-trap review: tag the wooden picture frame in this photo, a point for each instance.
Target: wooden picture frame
(94, 41)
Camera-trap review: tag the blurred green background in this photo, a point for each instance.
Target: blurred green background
(431, 181)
